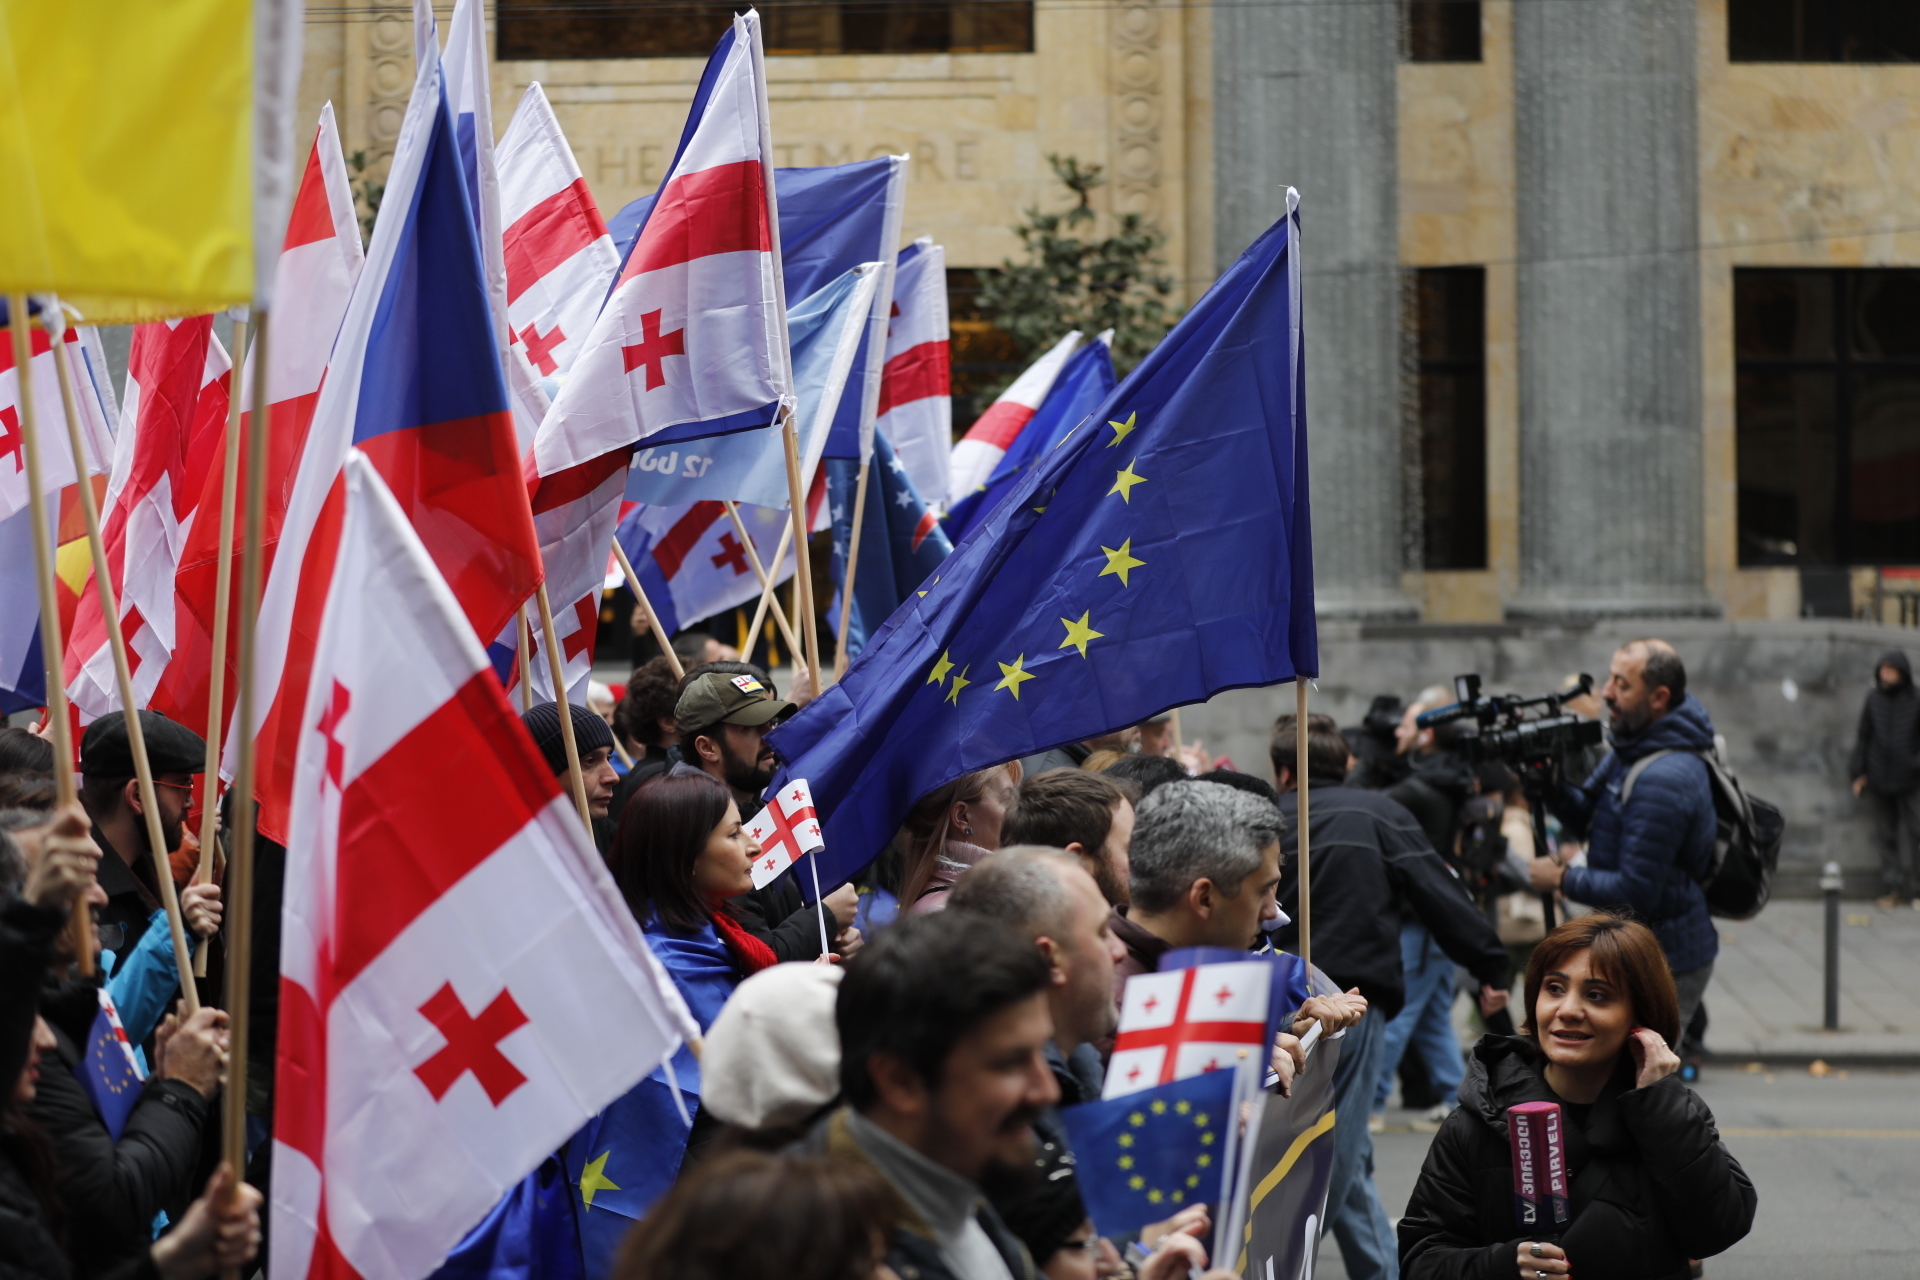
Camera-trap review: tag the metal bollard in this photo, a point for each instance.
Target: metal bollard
(1830, 888)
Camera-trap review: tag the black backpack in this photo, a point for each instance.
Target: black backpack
(1746, 848)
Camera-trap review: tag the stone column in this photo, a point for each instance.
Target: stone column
(1304, 96)
(1607, 205)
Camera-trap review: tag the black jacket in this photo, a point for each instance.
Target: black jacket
(113, 1190)
(1434, 791)
(1371, 863)
(27, 1243)
(1651, 1184)
(1886, 747)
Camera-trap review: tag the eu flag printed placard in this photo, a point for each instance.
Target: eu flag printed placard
(107, 1071)
(1149, 1155)
(1158, 555)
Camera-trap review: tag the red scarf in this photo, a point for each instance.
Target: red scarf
(751, 954)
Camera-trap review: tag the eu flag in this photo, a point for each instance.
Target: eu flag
(901, 543)
(1158, 555)
(1149, 1155)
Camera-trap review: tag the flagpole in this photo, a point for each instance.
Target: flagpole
(766, 597)
(853, 567)
(526, 661)
(1300, 790)
(819, 903)
(222, 605)
(645, 605)
(51, 648)
(803, 572)
(566, 711)
(239, 886)
(123, 677)
(760, 572)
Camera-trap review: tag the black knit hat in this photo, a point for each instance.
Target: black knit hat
(590, 733)
(1041, 1202)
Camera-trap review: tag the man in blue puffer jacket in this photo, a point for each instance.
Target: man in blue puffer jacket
(1644, 855)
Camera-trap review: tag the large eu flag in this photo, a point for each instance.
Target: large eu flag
(1159, 554)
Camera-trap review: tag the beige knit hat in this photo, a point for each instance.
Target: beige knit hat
(773, 1055)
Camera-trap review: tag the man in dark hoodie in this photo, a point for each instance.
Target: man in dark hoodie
(1645, 853)
(1886, 769)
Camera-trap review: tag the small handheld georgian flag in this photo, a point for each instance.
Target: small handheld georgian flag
(787, 830)
(1187, 1022)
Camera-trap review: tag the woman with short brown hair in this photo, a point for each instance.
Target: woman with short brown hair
(1650, 1185)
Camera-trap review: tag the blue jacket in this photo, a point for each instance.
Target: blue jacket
(1646, 855)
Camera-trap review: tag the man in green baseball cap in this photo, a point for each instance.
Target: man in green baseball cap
(723, 718)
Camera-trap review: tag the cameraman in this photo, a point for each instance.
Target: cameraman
(1438, 783)
(1644, 855)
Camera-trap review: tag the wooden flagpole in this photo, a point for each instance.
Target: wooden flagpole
(760, 572)
(767, 600)
(565, 709)
(1300, 789)
(526, 661)
(853, 568)
(123, 676)
(51, 647)
(222, 606)
(640, 601)
(802, 570)
(239, 885)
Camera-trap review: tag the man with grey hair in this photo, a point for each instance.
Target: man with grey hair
(1205, 862)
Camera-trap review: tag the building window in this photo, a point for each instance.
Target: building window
(1452, 346)
(1443, 31)
(1823, 31)
(985, 357)
(1827, 414)
(688, 28)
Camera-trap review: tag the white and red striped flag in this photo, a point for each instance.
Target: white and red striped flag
(1185, 1022)
(56, 458)
(320, 258)
(787, 830)
(559, 257)
(458, 983)
(916, 387)
(988, 439)
(175, 399)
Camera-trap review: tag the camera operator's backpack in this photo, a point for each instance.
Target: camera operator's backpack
(1746, 848)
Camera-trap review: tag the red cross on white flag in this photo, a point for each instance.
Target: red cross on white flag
(787, 830)
(1186, 1022)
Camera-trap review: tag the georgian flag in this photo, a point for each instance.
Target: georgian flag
(462, 986)
(916, 385)
(1184, 1022)
(787, 830)
(988, 439)
(172, 418)
(559, 257)
(691, 561)
(56, 457)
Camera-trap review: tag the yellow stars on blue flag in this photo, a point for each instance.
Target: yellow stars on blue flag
(594, 1178)
(1079, 634)
(1123, 483)
(1121, 430)
(1013, 675)
(1121, 561)
(960, 682)
(940, 669)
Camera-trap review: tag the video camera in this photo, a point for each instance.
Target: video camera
(1504, 731)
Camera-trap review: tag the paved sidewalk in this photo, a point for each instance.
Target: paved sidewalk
(1767, 994)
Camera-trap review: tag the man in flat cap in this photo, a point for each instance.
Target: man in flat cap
(724, 712)
(593, 740)
(111, 796)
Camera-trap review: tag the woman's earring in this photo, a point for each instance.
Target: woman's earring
(966, 829)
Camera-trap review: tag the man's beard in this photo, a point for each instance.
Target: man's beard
(746, 776)
(1628, 724)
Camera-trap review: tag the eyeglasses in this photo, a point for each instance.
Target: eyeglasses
(178, 786)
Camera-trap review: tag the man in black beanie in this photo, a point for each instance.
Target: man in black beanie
(594, 741)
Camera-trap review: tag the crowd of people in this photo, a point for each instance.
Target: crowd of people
(879, 1087)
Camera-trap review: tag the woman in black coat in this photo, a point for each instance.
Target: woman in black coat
(1651, 1185)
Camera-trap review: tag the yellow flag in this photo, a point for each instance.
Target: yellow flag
(126, 154)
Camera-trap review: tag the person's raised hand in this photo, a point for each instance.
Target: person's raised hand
(1492, 999)
(219, 1232)
(1334, 1012)
(847, 942)
(1190, 1221)
(1173, 1258)
(1537, 1261)
(843, 903)
(195, 1051)
(1288, 1061)
(59, 872)
(1859, 787)
(200, 906)
(1653, 1060)
(1545, 874)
